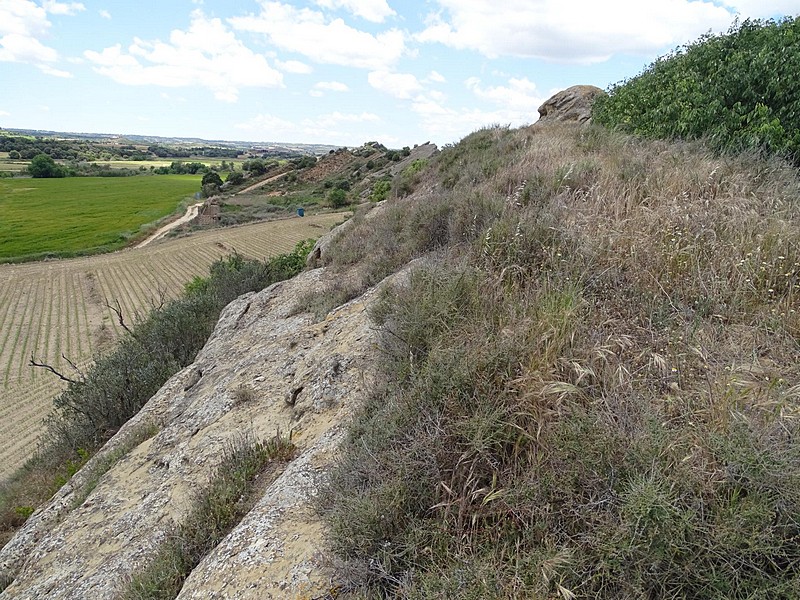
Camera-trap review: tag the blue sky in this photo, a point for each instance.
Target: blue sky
(327, 71)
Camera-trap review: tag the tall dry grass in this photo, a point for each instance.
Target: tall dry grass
(592, 389)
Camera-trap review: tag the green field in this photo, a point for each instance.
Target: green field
(78, 215)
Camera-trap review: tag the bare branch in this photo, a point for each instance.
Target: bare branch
(74, 367)
(47, 367)
(118, 311)
(161, 300)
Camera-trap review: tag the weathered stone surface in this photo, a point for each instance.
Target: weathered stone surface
(307, 378)
(572, 104)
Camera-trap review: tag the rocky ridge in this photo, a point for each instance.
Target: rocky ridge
(305, 377)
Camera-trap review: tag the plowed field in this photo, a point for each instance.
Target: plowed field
(60, 307)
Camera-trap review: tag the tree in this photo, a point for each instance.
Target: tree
(43, 166)
(255, 166)
(13, 155)
(211, 178)
(211, 184)
(732, 90)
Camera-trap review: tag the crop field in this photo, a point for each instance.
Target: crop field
(165, 162)
(7, 164)
(70, 215)
(16, 165)
(60, 307)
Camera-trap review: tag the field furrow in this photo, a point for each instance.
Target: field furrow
(60, 306)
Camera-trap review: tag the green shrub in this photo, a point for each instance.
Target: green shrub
(337, 197)
(43, 165)
(733, 89)
(235, 178)
(380, 190)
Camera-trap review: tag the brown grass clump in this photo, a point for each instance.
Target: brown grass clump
(592, 391)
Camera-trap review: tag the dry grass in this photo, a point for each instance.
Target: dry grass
(594, 390)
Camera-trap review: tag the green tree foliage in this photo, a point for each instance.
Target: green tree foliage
(182, 168)
(211, 178)
(380, 190)
(257, 166)
(738, 90)
(43, 166)
(337, 197)
(235, 178)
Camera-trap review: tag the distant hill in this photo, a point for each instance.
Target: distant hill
(284, 147)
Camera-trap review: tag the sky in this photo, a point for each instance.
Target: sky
(340, 72)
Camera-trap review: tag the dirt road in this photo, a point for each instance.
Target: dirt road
(191, 213)
(255, 186)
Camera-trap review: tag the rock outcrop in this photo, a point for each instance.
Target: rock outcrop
(305, 377)
(572, 104)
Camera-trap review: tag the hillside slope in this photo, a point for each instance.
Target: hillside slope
(584, 385)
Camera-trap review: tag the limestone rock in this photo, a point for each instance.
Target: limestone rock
(100, 529)
(572, 104)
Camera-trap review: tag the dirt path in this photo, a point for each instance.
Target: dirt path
(191, 213)
(255, 186)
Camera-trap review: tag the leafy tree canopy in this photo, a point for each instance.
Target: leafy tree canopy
(739, 90)
(211, 178)
(43, 165)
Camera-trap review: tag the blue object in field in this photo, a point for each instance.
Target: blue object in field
(301, 212)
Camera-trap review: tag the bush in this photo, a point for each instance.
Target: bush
(211, 178)
(727, 88)
(235, 178)
(337, 197)
(380, 190)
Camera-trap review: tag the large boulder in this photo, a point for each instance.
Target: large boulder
(573, 104)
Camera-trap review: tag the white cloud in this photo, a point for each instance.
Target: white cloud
(21, 48)
(436, 77)
(4, 113)
(520, 95)
(514, 103)
(324, 41)
(331, 86)
(448, 124)
(763, 8)
(334, 127)
(371, 10)
(104, 13)
(63, 8)
(293, 66)
(22, 24)
(399, 85)
(55, 72)
(206, 55)
(582, 31)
